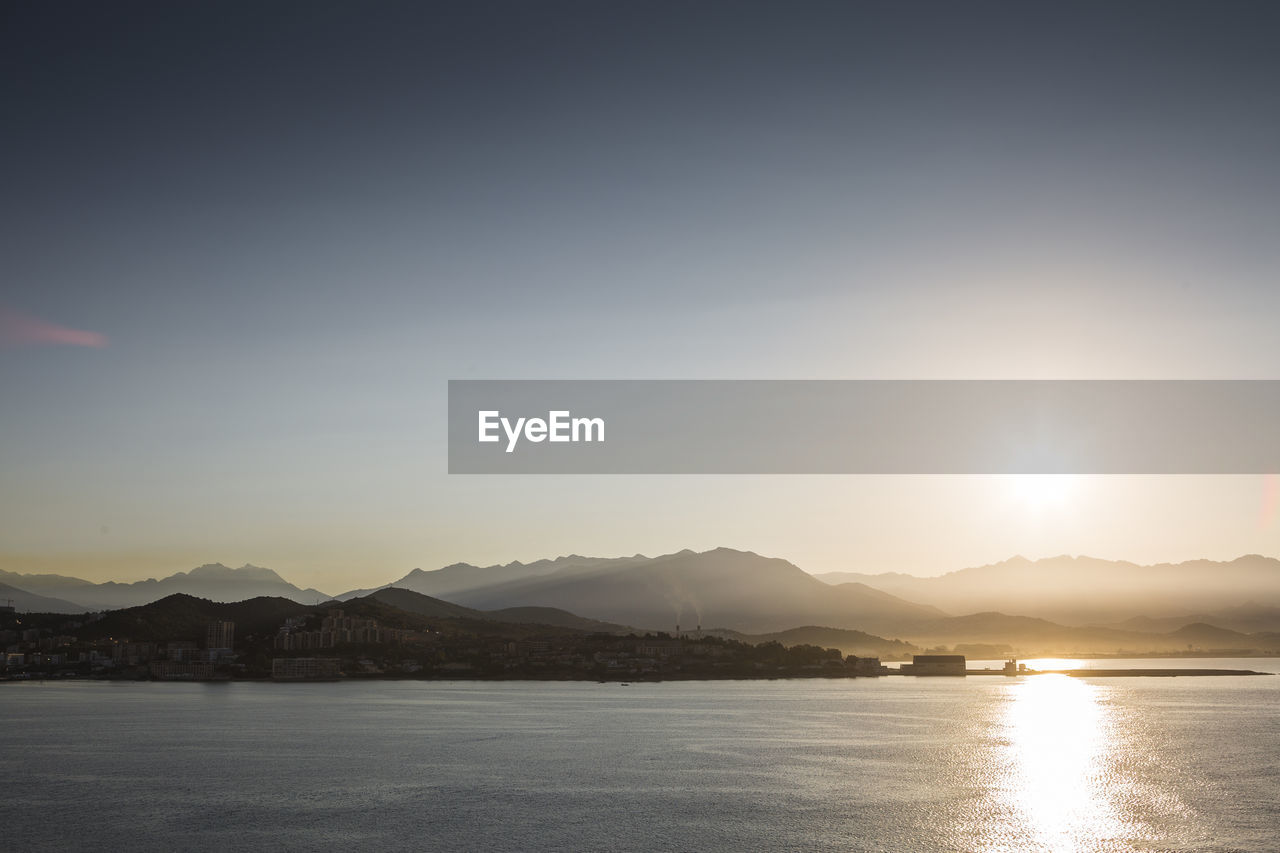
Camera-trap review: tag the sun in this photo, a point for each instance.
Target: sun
(1042, 492)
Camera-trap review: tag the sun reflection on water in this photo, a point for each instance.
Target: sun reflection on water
(1054, 773)
(1059, 732)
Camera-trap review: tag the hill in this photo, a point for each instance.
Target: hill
(185, 617)
(423, 605)
(848, 642)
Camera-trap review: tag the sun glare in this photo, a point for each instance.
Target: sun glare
(1042, 492)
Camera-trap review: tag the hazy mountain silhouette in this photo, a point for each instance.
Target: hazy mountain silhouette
(45, 584)
(1246, 619)
(425, 605)
(1029, 635)
(721, 588)
(1086, 590)
(919, 627)
(214, 582)
(557, 618)
(184, 617)
(460, 577)
(1059, 604)
(27, 602)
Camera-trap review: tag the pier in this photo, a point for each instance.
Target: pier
(954, 665)
(1120, 673)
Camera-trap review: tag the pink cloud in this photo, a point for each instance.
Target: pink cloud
(22, 330)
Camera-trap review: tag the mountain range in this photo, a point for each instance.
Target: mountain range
(460, 577)
(1063, 603)
(723, 588)
(1243, 594)
(185, 617)
(213, 581)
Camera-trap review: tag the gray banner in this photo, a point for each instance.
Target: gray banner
(864, 427)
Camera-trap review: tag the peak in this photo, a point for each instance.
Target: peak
(218, 570)
(209, 568)
(733, 551)
(177, 597)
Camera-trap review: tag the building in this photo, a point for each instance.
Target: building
(132, 654)
(183, 650)
(220, 636)
(935, 665)
(1012, 667)
(337, 629)
(865, 666)
(170, 670)
(659, 648)
(305, 669)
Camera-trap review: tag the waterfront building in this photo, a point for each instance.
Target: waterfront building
(935, 665)
(305, 669)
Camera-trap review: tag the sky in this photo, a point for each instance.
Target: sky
(246, 245)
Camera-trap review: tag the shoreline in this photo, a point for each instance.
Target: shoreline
(356, 679)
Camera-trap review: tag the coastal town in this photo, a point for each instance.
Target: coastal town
(336, 643)
(332, 644)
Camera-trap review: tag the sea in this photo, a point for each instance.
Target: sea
(989, 763)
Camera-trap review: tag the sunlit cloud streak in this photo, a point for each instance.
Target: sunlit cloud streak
(22, 330)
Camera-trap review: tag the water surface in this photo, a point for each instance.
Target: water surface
(1045, 763)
